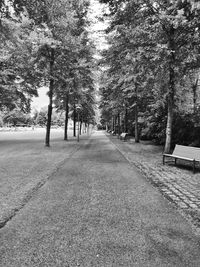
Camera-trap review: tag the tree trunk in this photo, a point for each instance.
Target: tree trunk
(81, 123)
(74, 120)
(126, 121)
(137, 139)
(170, 112)
(194, 89)
(50, 106)
(169, 128)
(119, 126)
(113, 123)
(66, 116)
(171, 91)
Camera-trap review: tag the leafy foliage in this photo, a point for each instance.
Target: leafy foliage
(45, 43)
(153, 48)
(17, 117)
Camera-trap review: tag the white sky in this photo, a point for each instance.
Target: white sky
(97, 27)
(42, 100)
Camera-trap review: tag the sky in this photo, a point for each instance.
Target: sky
(96, 33)
(42, 100)
(97, 26)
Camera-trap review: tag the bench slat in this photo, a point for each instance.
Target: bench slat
(187, 152)
(177, 157)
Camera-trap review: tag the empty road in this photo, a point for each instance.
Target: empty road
(97, 210)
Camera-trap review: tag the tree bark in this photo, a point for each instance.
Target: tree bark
(81, 123)
(50, 106)
(119, 126)
(74, 120)
(113, 123)
(126, 121)
(169, 128)
(137, 139)
(66, 116)
(171, 92)
(194, 89)
(170, 112)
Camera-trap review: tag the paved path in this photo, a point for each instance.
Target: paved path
(98, 211)
(177, 183)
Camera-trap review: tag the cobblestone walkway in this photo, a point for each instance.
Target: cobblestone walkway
(179, 185)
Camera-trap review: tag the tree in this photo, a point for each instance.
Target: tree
(50, 36)
(74, 69)
(165, 38)
(46, 44)
(17, 117)
(40, 117)
(16, 69)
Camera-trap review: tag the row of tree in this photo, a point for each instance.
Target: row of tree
(17, 117)
(46, 43)
(151, 69)
(38, 118)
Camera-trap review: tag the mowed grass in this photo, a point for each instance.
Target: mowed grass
(26, 164)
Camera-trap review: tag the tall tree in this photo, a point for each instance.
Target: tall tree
(17, 85)
(74, 67)
(52, 35)
(165, 34)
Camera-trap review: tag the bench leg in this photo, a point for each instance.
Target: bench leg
(163, 160)
(175, 161)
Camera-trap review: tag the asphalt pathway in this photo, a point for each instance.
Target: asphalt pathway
(97, 210)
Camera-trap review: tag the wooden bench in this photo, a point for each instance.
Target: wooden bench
(123, 136)
(187, 153)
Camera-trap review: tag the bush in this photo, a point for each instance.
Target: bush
(154, 126)
(17, 117)
(184, 130)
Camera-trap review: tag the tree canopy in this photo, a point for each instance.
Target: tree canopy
(44, 43)
(153, 46)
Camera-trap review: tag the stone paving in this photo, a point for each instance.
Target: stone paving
(178, 184)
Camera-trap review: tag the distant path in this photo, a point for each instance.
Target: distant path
(98, 211)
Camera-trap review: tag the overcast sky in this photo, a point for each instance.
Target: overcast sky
(97, 25)
(42, 100)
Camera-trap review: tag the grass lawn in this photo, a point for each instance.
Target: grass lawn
(26, 164)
